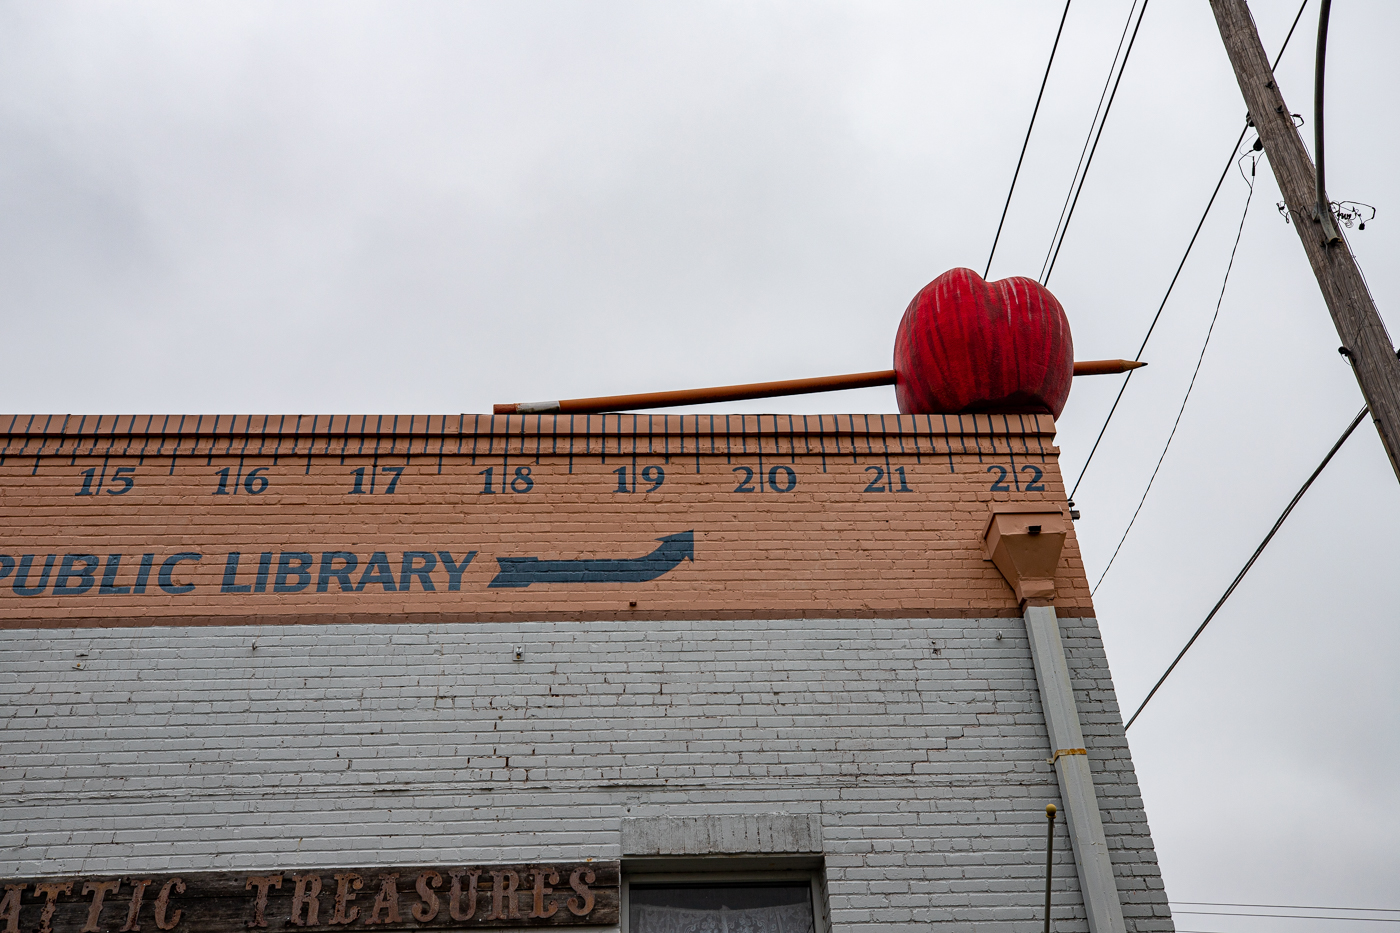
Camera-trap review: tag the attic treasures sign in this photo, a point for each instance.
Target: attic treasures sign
(545, 894)
(178, 520)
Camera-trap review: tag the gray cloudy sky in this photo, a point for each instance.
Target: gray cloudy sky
(427, 207)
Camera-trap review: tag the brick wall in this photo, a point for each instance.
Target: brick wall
(918, 742)
(828, 649)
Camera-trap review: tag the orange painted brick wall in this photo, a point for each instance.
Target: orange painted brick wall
(132, 520)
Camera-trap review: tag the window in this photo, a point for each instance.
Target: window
(781, 904)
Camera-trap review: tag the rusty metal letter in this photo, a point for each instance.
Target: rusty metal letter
(541, 892)
(262, 883)
(133, 921)
(427, 910)
(386, 901)
(579, 880)
(51, 890)
(503, 905)
(163, 902)
(98, 890)
(454, 901)
(9, 907)
(301, 898)
(343, 896)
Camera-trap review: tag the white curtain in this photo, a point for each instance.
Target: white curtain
(787, 918)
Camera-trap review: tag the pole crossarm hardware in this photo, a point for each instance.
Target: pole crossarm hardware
(1024, 541)
(1365, 342)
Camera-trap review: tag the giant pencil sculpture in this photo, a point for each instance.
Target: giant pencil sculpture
(963, 345)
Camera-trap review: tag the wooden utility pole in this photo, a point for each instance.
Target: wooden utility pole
(1364, 340)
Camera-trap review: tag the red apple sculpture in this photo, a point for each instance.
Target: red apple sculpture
(966, 345)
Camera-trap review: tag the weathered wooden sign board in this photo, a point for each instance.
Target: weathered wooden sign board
(436, 898)
(177, 520)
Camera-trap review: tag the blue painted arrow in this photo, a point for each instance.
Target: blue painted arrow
(522, 571)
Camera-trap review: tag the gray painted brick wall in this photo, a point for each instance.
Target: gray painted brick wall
(918, 745)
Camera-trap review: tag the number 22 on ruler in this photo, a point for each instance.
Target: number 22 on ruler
(1034, 485)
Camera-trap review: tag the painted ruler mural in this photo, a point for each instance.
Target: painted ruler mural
(142, 520)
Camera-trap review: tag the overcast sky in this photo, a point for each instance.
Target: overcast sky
(429, 207)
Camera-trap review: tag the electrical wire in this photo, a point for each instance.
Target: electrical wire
(1250, 563)
(1374, 910)
(1179, 266)
(1322, 210)
(1017, 174)
(1057, 239)
(1214, 913)
(1189, 386)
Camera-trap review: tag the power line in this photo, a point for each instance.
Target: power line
(1373, 910)
(1098, 108)
(1089, 136)
(1321, 210)
(1179, 266)
(1191, 385)
(1215, 913)
(1096, 137)
(1255, 556)
(1017, 174)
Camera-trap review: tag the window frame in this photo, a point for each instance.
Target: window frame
(723, 874)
